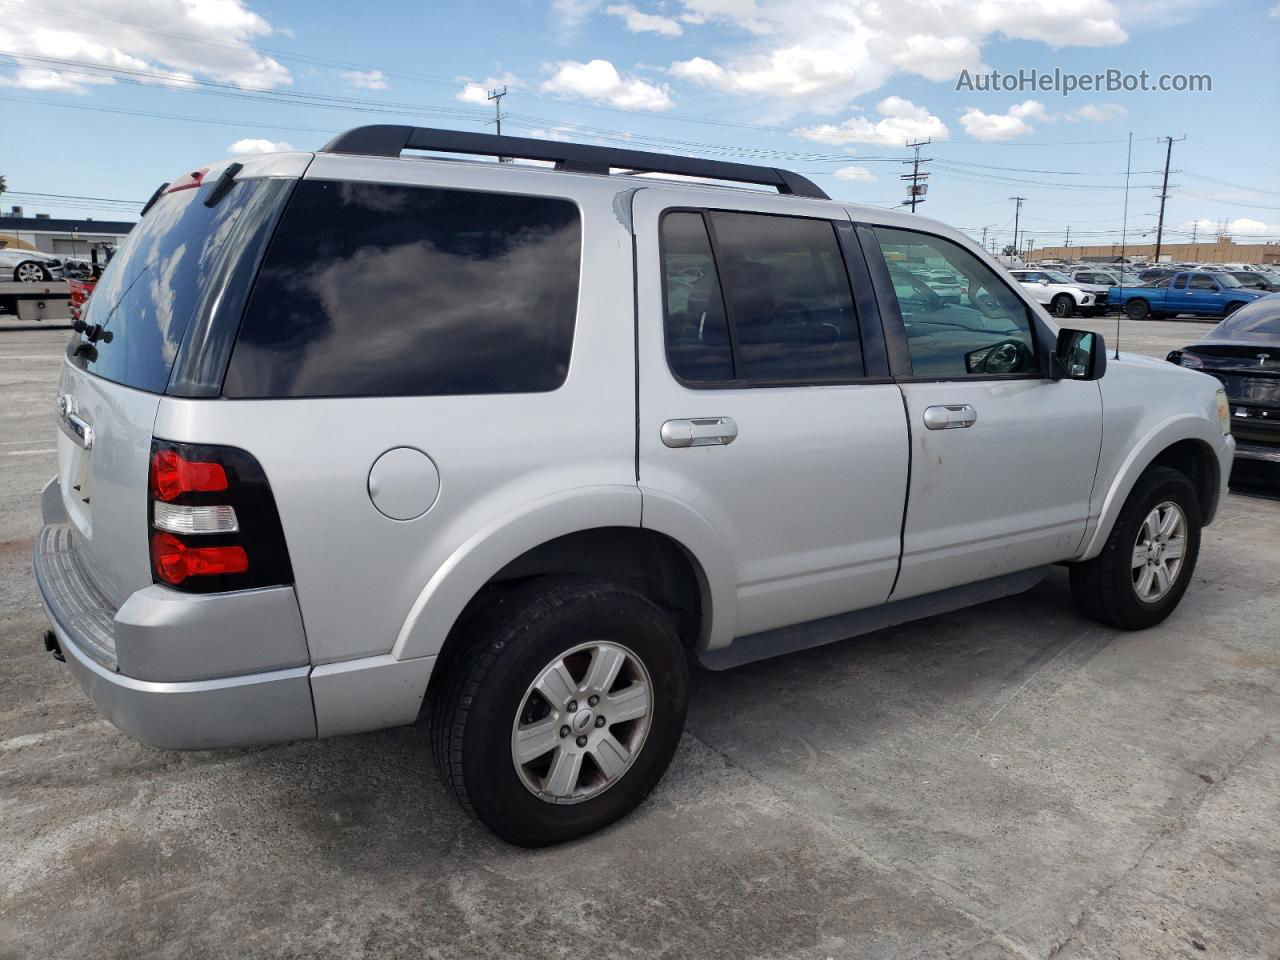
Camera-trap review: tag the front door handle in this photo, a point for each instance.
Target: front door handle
(699, 432)
(950, 417)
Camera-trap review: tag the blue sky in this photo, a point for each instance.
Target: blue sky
(107, 98)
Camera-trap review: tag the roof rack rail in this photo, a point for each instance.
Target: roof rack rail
(388, 140)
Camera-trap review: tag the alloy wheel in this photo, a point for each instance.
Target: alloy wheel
(1159, 551)
(582, 722)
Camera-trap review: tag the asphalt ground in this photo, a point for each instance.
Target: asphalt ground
(1008, 781)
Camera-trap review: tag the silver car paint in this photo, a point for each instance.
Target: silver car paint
(378, 596)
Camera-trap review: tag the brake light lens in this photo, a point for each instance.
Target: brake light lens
(174, 561)
(172, 476)
(213, 520)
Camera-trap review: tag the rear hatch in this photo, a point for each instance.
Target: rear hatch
(151, 325)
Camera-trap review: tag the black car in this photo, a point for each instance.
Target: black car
(1148, 277)
(1243, 351)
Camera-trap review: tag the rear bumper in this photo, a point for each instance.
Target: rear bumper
(153, 632)
(1256, 463)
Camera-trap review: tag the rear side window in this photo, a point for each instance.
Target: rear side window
(381, 290)
(153, 286)
(756, 298)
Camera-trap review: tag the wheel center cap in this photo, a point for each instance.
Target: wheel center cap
(583, 719)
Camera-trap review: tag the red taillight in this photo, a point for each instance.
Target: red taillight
(174, 561)
(172, 476)
(213, 524)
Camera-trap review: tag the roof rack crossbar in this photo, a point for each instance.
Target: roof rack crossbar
(389, 140)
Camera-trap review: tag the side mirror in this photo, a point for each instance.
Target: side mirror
(1044, 282)
(1078, 355)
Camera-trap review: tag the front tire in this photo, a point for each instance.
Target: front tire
(1063, 305)
(1148, 560)
(563, 711)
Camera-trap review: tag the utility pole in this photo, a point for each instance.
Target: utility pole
(1164, 190)
(984, 238)
(1067, 243)
(1016, 213)
(917, 188)
(496, 96)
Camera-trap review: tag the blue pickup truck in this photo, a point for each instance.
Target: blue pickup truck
(1200, 293)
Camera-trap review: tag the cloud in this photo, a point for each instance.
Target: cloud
(1274, 11)
(478, 93)
(638, 22)
(365, 79)
(819, 56)
(1003, 126)
(855, 174)
(1097, 112)
(176, 40)
(1247, 226)
(250, 146)
(600, 81)
(902, 121)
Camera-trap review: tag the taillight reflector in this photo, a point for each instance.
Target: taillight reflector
(174, 561)
(172, 475)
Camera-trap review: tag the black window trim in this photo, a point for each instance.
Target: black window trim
(896, 331)
(881, 375)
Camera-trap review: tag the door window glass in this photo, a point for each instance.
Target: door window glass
(1202, 281)
(697, 328)
(985, 331)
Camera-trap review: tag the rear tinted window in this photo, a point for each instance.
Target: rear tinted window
(151, 288)
(377, 290)
(1257, 322)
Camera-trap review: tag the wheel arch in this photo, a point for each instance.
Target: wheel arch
(655, 565)
(1181, 444)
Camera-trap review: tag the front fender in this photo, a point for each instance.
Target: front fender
(1140, 455)
(495, 545)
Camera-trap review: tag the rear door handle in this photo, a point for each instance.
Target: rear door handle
(950, 417)
(699, 432)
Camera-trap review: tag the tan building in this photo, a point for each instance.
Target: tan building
(1219, 250)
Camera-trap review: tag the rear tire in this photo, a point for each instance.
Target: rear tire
(556, 634)
(1063, 305)
(1137, 309)
(1230, 309)
(1107, 588)
(30, 272)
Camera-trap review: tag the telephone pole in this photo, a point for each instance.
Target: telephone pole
(984, 238)
(917, 188)
(496, 96)
(1017, 211)
(1164, 190)
(1067, 242)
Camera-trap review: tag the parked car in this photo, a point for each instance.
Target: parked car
(1057, 292)
(1198, 294)
(1243, 351)
(28, 266)
(1257, 279)
(517, 442)
(1152, 274)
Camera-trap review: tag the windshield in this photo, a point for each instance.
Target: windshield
(150, 290)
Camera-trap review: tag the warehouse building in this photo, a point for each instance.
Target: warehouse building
(65, 238)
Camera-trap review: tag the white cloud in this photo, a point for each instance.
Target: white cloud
(365, 79)
(640, 22)
(1003, 126)
(1274, 11)
(819, 56)
(478, 93)
(600, 81)
(473, 93)
(855, 174)
(901, 121)
(1097, 112)
(1247, 226)
(176, 41)
(250, 146)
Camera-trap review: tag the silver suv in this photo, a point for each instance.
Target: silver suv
(345, 434)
